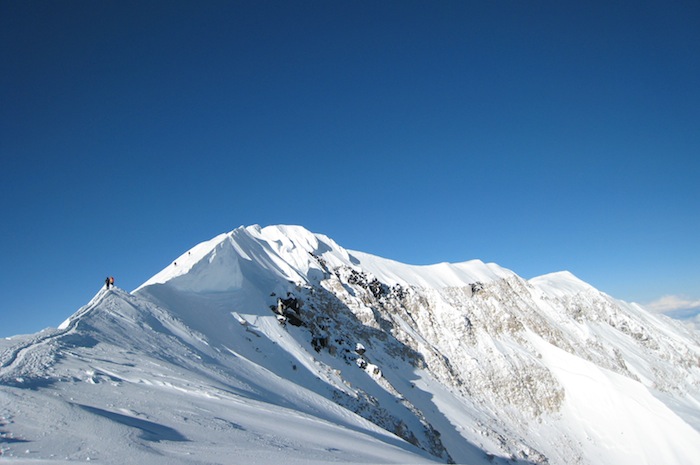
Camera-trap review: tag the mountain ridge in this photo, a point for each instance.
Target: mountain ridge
(459, 362)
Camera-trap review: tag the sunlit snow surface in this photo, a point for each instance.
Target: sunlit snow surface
(465, 362)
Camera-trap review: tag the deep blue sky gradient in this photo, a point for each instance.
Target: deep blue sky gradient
(542, 136)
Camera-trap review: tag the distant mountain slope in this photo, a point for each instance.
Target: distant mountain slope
(277, 345)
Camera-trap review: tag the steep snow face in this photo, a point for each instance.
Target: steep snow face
(276, 344)
(606, 405)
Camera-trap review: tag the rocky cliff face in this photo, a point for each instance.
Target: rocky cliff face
(476, 340)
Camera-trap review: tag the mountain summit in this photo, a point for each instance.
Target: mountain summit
(277, 345)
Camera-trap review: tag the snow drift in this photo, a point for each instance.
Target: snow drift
(270, 345)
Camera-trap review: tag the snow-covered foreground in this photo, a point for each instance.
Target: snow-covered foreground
(145, 393)
(137, 410)
(275, 345)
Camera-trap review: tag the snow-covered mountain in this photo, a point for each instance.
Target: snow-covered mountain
(277, 345)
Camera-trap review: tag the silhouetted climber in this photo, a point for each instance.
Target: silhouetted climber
(107, 282)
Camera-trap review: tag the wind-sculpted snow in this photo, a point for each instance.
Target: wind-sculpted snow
(276, 345)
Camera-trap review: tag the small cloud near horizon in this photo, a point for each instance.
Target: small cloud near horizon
(670, 303)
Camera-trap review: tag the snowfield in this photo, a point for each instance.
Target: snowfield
(276, 345)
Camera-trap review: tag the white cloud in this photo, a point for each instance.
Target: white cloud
(669, 303)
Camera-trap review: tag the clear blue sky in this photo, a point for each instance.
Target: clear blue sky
(542, 136)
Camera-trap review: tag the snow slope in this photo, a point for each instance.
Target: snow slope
(124, 381)
(245, 350)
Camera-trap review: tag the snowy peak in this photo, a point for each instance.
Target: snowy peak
(560, 284)
(299, 248)
(228, 261)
